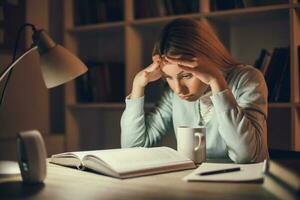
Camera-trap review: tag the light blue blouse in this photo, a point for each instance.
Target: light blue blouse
(235, 124)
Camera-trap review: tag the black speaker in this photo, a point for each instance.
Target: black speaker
(31, 152)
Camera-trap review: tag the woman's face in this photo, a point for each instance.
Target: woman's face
(183, 83)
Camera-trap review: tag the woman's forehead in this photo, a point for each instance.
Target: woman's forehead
(171, 69)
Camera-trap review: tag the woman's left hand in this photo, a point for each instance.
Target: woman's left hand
(204, 70)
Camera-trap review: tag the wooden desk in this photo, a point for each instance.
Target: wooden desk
(67, 183)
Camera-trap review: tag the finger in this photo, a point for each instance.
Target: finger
(156, 58)
(188, 63)
(153, 66)
(164, 61)
(145, 73)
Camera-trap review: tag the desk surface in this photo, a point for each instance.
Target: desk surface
(67, 183)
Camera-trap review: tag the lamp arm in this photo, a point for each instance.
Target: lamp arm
(3, 74)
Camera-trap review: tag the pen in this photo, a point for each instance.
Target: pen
(220, 171)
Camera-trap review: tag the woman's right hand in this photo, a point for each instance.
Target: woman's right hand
(149, 74)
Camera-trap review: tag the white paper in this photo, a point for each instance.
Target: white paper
(248, 172)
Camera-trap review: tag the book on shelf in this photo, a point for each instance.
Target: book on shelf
(275, 77)
(282, 178)
(266, 62)
(12, 16)
(248, 3)
(97, 11)
(160, 8)
(269, 2)
(83, 93)
(218, 5)
(182, 7)
(169, 7)
(204, 6)
(275, 66)
(126, 163)
(281, 90)
(273, 62)
(104, 82)
(114, 10)
(263, 61)
(141, 9)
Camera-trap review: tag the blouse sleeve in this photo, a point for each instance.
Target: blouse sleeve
(242, 118)
(145, 129)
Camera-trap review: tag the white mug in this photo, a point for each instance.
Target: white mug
(191, 143)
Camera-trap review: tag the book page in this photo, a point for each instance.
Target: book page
(131, 159)
(72, 159)
(77, 154)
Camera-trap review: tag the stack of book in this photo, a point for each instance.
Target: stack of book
(282, 178)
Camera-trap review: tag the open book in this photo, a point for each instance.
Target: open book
(125, 163)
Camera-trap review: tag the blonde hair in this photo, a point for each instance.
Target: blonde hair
(193, 38)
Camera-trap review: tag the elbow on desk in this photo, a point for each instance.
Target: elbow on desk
(248, 155)
(129, 143)
(240, 158)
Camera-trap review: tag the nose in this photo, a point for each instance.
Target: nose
(179, 87)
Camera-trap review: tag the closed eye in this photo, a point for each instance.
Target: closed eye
(166, 76)
(187, 76)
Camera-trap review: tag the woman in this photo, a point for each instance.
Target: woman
(206, 87)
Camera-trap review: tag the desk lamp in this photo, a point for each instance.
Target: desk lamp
(58, 66)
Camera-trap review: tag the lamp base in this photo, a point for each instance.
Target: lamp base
(31, 156)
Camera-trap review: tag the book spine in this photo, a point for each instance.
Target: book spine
(266, 62)
(279, 188)
(269, 73)
(259, 62)
(284, 174)
(282, 87)
(278, 72)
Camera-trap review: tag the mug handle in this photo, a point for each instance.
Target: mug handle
(200, 136)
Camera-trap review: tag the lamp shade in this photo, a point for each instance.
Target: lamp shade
(57, 63)
(60, 66)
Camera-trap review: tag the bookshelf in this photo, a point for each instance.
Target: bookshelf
(245, 31)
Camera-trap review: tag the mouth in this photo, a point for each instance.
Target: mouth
(185, 97)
